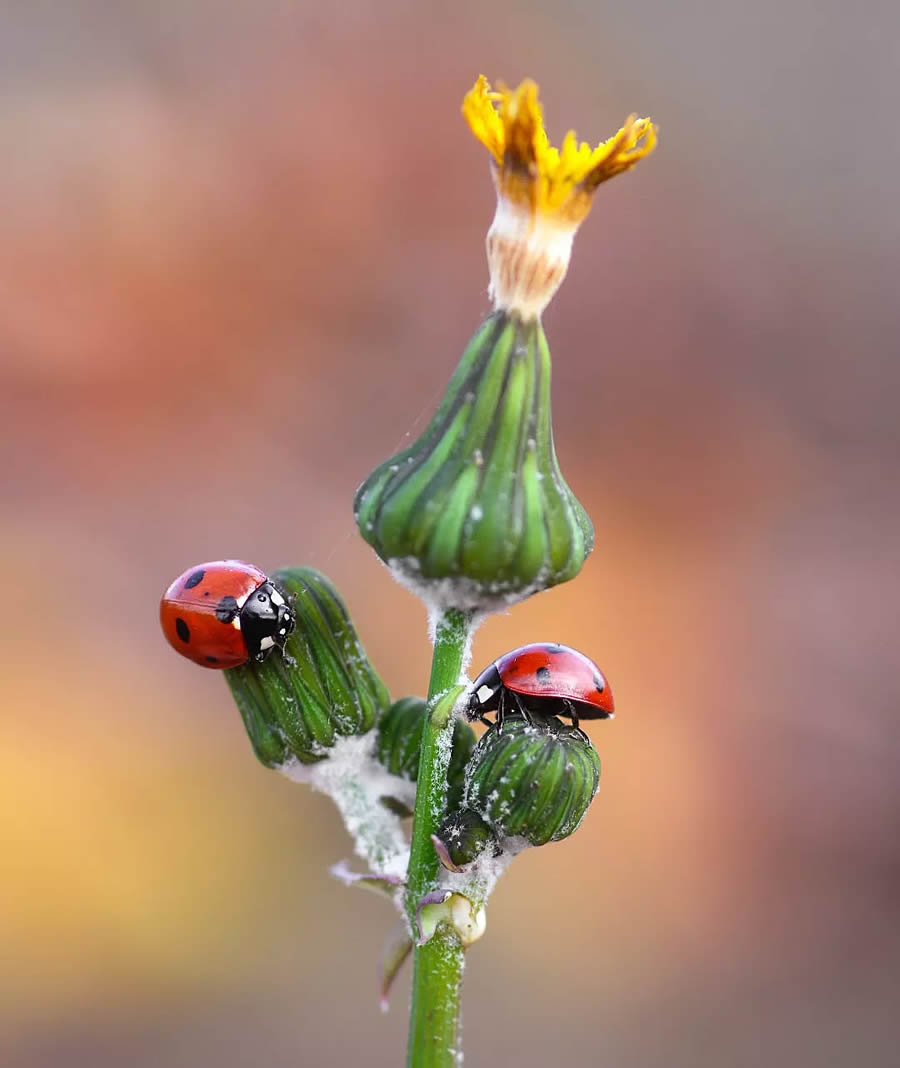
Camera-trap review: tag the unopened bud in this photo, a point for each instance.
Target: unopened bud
(324, 688)
(476, 511)
(400, 741)
(532, 782)
(462, 838)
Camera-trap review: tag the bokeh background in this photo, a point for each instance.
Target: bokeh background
(241, 248)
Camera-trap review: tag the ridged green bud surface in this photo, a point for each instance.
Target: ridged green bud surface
(400, 742)
(531, 782)
(476, 510)
(324, 689)
(463, 837)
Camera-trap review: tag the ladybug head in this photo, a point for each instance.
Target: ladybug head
(485, 693)
(267, 620)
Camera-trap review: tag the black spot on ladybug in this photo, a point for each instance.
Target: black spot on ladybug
(226, 609)
(598, 682)
(183, 630)
(543, 674)
(194, 579)
(212, 660)
(206, 593)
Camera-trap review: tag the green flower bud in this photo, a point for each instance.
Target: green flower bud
(400, 740)
(476, 510)
(532, 782)
(324, 688)
(462, 838)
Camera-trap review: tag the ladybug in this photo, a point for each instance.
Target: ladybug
(542, 680)
(224, 613)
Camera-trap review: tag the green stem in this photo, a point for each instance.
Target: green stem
(434, 1014)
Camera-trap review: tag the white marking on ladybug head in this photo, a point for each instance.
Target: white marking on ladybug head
(277, 599)
(266, 643)
(484, 693)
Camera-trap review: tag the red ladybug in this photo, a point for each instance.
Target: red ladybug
(540, 680)
(224, 613)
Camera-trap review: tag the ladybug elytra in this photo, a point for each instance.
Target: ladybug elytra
(542, 680)
(224, 613)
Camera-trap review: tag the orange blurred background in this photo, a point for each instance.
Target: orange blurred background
(241, 249)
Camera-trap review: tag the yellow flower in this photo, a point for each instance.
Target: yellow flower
(543, 193)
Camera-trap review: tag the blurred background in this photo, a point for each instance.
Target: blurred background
(241, 249)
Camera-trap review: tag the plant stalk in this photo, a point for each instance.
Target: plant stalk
(434, 1013)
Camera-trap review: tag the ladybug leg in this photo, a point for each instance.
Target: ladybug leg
(501, 711)
(526, 715)
(570, 711)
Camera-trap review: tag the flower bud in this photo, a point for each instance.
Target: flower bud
(400, 740)
(462, 838)
(324, 688)
(476, 511)
(532, 782)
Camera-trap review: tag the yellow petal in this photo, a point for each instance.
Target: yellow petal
(481, 115)
(543, 193)
(529, 169)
